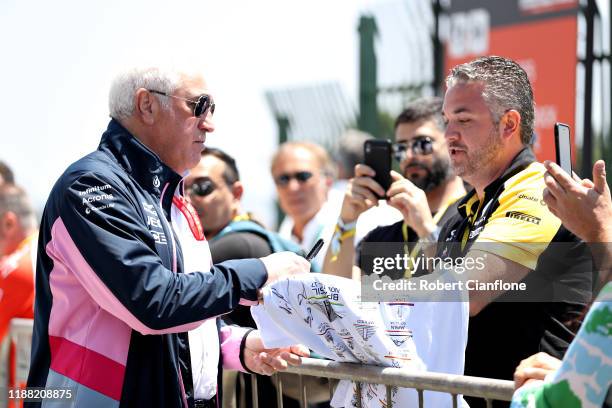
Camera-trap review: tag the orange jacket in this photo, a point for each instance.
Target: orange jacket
(17, 284)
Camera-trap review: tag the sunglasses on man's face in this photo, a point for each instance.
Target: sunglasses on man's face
(200, 106)
(201, 187)
(422, 145)
(301, 176)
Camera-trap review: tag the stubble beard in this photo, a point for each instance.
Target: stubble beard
(479, 159)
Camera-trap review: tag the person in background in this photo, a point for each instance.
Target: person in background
(303, 175)
(215, 191)
(18, 239)
(424, 194)
(6, 177)
(349, 154)
(584, 376)
(6, 174)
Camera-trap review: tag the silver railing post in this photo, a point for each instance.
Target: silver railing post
(331, 389)
(279, 391)
(254, 391)
(358, 392)
(420, 392)
(302, 389)
(389, 397)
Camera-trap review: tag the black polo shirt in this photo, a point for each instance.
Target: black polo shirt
(513, 222)
(393, 234)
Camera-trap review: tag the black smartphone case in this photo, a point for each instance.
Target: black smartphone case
(377, 155)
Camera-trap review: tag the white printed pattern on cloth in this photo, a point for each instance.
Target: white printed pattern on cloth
(324, 313)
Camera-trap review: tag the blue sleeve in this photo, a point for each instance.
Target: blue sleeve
(101, 236)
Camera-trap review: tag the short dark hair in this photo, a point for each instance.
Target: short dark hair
(230, 173)
(506, 86)
(422, 109)
(6, 173)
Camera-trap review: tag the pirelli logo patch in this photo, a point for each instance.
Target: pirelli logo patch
(523, 217)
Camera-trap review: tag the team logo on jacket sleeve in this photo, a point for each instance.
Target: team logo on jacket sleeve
(97, 198)
(154, 224)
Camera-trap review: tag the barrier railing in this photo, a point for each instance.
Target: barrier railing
(16, 364)
(454, 385)
(4, 370)
(15, 359)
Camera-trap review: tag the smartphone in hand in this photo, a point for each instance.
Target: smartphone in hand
(563, 147)
(377, 154)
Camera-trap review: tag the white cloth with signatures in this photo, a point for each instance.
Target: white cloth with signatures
(324, 313)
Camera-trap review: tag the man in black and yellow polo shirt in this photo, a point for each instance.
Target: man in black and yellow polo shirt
(489, 112)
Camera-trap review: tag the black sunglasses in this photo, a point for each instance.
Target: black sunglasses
(201, 187)
(200, 107)
(284, 179)
(422, 145)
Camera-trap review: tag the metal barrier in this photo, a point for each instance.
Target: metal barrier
(4, 370)
(16, 364)
(454, 385)
(15, 358)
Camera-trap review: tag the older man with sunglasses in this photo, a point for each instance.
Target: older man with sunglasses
(302, 172)
(425, 192)
(124, 270)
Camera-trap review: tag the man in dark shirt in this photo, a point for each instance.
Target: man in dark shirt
(424, 193)
(489, 111)
(215, 191)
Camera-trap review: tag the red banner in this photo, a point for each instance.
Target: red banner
(541, 36)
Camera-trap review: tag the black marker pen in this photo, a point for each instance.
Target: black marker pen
(315, 249)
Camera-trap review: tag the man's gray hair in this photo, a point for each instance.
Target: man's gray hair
(506, 86)
(124, 87)
(14, 199)
(350, 150)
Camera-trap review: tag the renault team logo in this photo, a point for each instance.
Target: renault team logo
(523, 217)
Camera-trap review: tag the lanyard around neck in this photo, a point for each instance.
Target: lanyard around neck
(418, 245)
